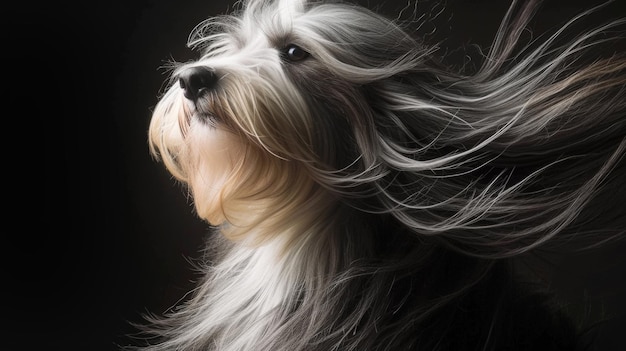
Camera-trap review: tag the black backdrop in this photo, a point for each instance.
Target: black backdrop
(116, 230)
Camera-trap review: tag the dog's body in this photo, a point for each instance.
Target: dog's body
(368, 197)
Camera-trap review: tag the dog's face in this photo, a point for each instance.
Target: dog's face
(279, 106)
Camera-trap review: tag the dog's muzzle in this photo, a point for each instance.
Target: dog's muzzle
(195, 81)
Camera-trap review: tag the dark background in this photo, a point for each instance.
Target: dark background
(112, 238)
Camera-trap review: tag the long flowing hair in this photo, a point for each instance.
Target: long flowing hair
(381, 185)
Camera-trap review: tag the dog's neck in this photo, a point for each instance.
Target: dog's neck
(254, 297)
(260, 285)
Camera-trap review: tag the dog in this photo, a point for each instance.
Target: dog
(366, 195)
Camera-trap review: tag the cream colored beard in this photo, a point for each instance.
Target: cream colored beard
(214, 155)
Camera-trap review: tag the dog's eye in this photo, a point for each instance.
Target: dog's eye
(294, 53)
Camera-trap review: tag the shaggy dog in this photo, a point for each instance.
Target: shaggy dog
(368, 196)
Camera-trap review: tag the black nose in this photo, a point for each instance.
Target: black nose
(196, 80)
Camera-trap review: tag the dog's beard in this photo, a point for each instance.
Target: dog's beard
(241, 171)
(214, 157)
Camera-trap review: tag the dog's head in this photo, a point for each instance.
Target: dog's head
(281, 113)
(297, 111)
